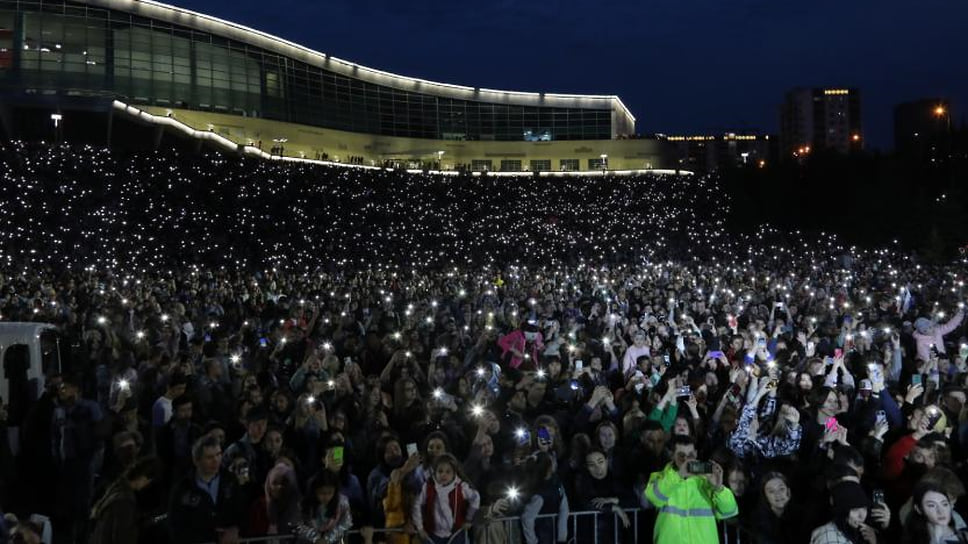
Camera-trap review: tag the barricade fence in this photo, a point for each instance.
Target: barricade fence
(584, 527)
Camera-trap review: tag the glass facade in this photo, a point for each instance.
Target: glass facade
(78, 49)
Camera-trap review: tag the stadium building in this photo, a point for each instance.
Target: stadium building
(84, 70)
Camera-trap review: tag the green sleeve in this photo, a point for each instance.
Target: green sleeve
(666, 417)
(724, 504)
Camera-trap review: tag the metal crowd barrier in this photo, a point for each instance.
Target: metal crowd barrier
(585, 521)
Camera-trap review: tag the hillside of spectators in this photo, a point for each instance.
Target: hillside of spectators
(97, 208)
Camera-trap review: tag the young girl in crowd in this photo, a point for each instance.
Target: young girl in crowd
(326, 512)
(446, 504)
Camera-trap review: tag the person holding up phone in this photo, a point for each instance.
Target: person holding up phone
(780, 440)
(679, 494)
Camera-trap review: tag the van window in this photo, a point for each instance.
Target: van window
(49, 353)
(16, 362)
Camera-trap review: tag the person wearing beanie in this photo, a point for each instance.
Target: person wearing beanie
(850, 525)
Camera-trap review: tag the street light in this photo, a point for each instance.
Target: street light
(279, 144)
(604, 162)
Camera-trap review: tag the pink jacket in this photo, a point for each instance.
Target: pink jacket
(936, 336)
(516, 340)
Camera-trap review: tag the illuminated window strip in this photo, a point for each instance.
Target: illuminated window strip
(254, 151)
(207, 23)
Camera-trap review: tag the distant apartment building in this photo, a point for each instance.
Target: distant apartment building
(813, 119)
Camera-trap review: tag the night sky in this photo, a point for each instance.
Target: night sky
(682, 66)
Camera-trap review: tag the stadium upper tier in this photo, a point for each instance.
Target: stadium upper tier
(148, 53)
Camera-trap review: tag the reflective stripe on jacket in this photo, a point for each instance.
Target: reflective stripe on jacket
(688, 508)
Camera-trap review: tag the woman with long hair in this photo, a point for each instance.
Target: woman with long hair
(326, 513)
(932, 521)
(409, 411)
(780, 439)
(547, 496)
(277, 510)
(776, 519)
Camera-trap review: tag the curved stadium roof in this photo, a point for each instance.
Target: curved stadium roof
(213, 25)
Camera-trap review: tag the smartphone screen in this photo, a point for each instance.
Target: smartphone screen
(879, 496)
(338, 454)
(916, 379)
(838, 353)
(831, 425)
(699, 467)
(411, 449)
(880, 417)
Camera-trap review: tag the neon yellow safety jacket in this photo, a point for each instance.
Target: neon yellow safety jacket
(688, 507)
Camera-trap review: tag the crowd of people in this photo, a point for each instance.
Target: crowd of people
(254, 349)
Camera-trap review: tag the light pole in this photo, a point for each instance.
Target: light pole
(942, 113)
(56, 118)
(604, 162)
(279, 147)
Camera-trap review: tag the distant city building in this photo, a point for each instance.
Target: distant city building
(813, 119)
(708, 153)
(922, 129)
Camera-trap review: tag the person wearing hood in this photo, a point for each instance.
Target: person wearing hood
(522, 347)
(849, 526)
(115, 515)
(928, 334)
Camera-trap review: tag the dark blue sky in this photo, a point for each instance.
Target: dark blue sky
(682, 66)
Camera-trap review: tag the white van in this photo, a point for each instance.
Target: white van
(28, 353)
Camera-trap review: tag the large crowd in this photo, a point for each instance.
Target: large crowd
(252, 348)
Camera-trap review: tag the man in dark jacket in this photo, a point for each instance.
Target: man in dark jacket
(116, 514)
(175, 440)
(206, 504)
(76, 439)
